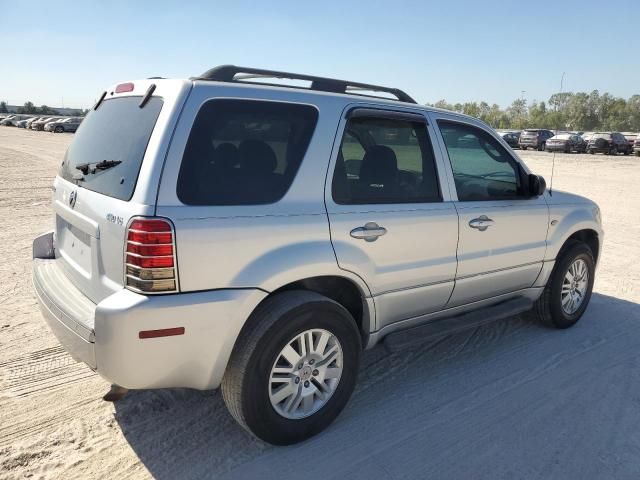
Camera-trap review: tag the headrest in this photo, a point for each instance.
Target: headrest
(257, 157)
(379, 165)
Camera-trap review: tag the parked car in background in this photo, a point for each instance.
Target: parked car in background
(567, 143)
(631, 138)
(586, 136)
(511, 137)
(39, 124)
(534, 138)
(12, 120)
(636, 146)
(6, 121)
(609, 143)
(21, 123)
(63, 125)
(30, 121)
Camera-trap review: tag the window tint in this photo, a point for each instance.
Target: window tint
(118, 130)
(243, 152)
(482, 169)
(385, 161)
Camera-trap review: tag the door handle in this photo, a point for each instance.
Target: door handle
(369, 233)
(481, 223)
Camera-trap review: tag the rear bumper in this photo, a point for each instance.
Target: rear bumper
(108, 338)
(593, 148)
(556, 148)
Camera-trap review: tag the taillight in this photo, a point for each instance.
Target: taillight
(150, 256)
(124, 87)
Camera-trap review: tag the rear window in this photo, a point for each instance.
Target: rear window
(117, 132)
(244, 152)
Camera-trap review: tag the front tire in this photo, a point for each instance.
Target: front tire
(293, 368)
(568, 290)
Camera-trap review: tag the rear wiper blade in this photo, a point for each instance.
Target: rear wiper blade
(106, 164)
(86, 168)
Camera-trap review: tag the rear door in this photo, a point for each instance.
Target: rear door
(502, 229)
(390, 218)
(109, 174)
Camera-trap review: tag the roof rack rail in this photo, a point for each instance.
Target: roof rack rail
(232, 73)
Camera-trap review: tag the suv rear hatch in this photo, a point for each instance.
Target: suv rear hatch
(109, 174)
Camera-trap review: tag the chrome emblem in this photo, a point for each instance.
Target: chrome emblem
(73, 196)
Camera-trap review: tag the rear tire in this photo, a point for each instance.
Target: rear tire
(58, 129)
(248, 388)
(551, 309)
(522, 147)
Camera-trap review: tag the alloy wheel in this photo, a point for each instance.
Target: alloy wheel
(306, 374)
(574, 286)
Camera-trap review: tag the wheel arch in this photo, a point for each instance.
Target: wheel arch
(342, 287)
(575, 224)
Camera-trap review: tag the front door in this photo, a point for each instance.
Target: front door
(390, 223)
(503, 229)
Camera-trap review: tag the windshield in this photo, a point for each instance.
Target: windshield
(116, 133)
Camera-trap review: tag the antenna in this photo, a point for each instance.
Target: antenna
(553, 160)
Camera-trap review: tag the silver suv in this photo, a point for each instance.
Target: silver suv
(227, 232)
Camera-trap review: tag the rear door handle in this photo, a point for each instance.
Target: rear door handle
(370, 232)
(481, 223)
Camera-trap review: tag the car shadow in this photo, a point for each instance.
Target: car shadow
(448, 407)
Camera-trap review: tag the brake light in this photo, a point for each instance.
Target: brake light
(150, 256)
(124, 87)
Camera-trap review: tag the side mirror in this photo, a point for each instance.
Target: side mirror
(537, 185)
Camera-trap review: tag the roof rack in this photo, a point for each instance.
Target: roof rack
(232, 73)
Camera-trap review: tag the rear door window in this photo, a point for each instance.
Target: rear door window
(383, 160)
(107, 150)
(244, 152)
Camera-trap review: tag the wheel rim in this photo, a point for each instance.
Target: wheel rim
(574, 286)
(306, 374)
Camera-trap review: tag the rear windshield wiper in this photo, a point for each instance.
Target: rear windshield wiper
(87, 168)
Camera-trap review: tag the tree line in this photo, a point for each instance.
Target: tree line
(30, 108)
(563, 111)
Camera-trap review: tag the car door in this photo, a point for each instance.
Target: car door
(502, 228)
(391, 218)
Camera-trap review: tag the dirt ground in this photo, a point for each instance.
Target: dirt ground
(508, 400)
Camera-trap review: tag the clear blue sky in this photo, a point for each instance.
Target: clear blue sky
(455, 50)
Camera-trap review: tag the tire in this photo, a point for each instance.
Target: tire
(247, 387)
(591, 152)
(58, 129)
(522, 147)
(548, 309)
(613, 151)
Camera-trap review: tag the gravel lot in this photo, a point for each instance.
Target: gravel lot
(509, 400)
